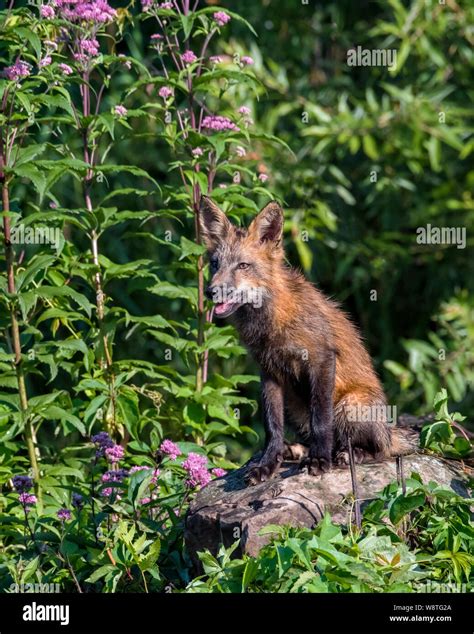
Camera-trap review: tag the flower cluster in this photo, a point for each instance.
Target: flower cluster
(195, 465)
(170, 449)
(246, 60)
(197, 152)
(22, 484)
(121, 111)
(221, 18)
(165, 92)
(114, 454)
(103, 441)
(46, 11)
(112, 477)
(218, 472)
(95, 11)
(65, 69)
(188, 57)
(218, 123)
(18, 70)
(64, 514)
(77, 500)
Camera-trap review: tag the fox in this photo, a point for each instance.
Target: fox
(316, 373)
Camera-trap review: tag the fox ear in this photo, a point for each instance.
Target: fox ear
(213, 223)
(268, 225)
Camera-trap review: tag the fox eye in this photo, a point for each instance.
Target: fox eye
(214, 264)
(243, 265)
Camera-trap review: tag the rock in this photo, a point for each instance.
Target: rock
(227, 509)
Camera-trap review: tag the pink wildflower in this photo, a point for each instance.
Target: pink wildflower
(45, 61)
(165, 92)
(121, 111)
(240, 151)
(188, 57)
(18, 70)
(215, 59)
(169, 448)
(197, 152)
(64, 514)
(198, 475)
(65, 69)
(221, 18)
(95, 11)
(246, 60)
(114, 454)
(263, 177)
(218, 472)
(218, 123)
(244, 110)
(46, 11)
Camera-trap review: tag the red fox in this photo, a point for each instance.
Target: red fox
(315, 371)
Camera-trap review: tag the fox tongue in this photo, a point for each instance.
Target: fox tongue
(222, 308)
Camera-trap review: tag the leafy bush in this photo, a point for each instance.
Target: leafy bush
(409, 542)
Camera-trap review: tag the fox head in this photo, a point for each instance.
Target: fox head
(243, 262)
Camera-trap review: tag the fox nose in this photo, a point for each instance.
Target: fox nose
(210, 290)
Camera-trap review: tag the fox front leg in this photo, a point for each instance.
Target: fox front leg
(321, 416)
(273, 418)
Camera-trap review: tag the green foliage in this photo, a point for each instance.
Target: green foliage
(440, 436)
(409, 542)
(103, 320)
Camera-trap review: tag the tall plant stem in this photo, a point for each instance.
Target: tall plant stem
(89, 153)
(29, 432)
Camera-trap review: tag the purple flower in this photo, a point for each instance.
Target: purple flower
(221, 18)
(218, 123)
(165, 92)
(18, 70)
(147, 5)
(112, 477)
(103, 442)
(198, 475)
(188, 57)
(46, 11)
(197, 151)
(169, 448)
(263, 177)
(121, 111)
(218, 472)
(65, 69)
(166, 5)
(244, 110)
(215, 59)
(114, 454)
(64, 514)
(246, 60)
(77, 500)
(89, 48)
(45, 61)
(22, 483)
(156, 36)
(94, 11)
(27, 500)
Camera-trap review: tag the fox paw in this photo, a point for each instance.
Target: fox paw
(316, 466)
(260, 473)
